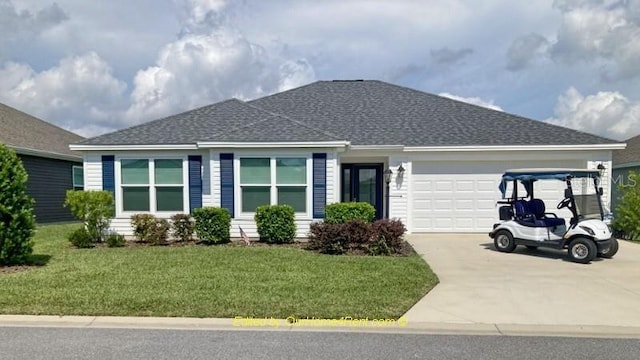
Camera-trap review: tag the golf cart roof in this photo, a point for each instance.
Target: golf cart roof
(539, 174)
(529, 176)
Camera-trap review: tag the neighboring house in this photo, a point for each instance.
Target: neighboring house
(51, 166)
(332, 141)
(624, 161)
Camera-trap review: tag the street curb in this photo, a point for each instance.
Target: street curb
(319, 325)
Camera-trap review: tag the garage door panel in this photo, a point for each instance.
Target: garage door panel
(461, 196)
(464, 204)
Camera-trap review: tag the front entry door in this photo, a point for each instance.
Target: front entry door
(363, 183)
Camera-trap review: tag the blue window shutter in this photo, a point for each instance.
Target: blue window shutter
(108, 174)
(319, 185)
(226, 182)
(195, 182)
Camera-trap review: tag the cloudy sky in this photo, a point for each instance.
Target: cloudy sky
(96, 66)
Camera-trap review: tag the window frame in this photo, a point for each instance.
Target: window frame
(120, 212)
(75, 168)
(273, 186)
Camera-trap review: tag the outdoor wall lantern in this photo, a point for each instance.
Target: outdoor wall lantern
(387, 179)
(601, 168)
(400, 171)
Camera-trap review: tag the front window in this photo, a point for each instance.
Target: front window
(78, 178)
(266, 181)
(152, 185)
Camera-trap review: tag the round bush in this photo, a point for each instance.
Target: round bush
(276, 223)
(213, 225)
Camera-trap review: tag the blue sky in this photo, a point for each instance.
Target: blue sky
(93, 67)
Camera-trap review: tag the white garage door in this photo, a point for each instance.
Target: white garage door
(461, 196)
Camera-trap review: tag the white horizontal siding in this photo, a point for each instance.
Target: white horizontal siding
(92, 169)
(398, 189)
(123, 226)
(249, 227)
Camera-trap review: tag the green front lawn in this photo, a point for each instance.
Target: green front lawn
(215, 281)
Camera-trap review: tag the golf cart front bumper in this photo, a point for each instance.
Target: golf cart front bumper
(603, 245)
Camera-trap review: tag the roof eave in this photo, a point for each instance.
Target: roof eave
(81, 147)
(616, 146)
(292, 144)
(45, 154)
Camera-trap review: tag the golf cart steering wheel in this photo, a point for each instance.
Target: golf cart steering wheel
(564, 203)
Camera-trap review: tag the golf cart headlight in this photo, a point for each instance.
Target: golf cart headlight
(588, 229)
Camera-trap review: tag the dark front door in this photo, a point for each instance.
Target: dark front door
(363, 182)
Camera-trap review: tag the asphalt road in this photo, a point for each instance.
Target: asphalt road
(77, 343)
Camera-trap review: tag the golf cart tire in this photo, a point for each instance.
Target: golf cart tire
(582, 250)
(503, 241)
(613, 249)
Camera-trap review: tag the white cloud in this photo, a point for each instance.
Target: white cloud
(525, 50)
(79, 94)
(473, 100)
(607, 114)
(607, 30)
(15, 22)
(210, 62)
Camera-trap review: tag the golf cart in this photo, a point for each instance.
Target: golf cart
(525, 221)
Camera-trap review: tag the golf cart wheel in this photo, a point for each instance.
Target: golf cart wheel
(613, 249)
(503, 241)
(532, 247)
(582, 250)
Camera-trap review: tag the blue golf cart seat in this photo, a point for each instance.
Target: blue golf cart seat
(532, 213)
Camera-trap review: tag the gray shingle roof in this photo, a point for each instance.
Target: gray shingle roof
(21, 130)
(631, 154)
(363, 112)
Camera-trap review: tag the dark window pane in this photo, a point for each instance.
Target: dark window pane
(135, 198)
(254, 196)
(169, 198)
(296, 196)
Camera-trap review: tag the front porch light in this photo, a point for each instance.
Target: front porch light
(387, 176)
(400, 171)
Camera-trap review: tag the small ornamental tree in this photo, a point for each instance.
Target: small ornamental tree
(94, 208)
(17, 222)
(627, 215)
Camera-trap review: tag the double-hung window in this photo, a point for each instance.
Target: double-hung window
(153, 185)
(273, 180)
(78, 177)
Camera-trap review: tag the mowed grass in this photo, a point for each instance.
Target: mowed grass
(215, 281)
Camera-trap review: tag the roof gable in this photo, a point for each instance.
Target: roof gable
(630, 155)
(25, 132)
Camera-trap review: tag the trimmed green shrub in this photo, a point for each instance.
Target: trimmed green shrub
(213, 225)
(115, 240)
(627, 215)
(340, 213)
(142, 224)
(276, 223)
(17, 221)
(94, 208)
(388, 237)
(81, 239)
(182, 227)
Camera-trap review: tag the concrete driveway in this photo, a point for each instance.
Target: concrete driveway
(479, 285)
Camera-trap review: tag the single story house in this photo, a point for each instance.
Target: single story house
(52, 167)
(332, 141)
(624, 161)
